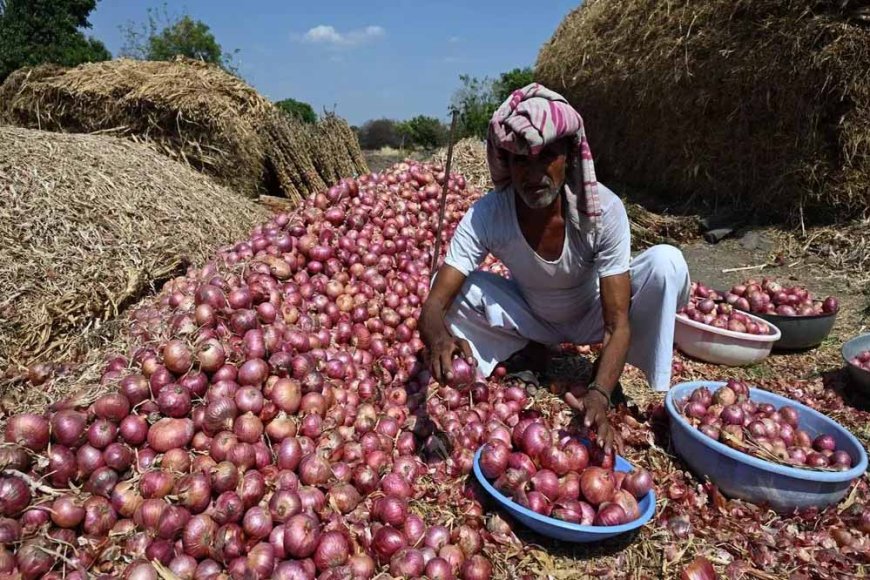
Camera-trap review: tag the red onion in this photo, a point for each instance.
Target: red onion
(439, 569)
(62, 465)
(597, 485)
(211, 356)
(332, 551)
(102, 481)
(10, 531)
(535, 438)
(344, 497)
(555, 460)
(547, 483)
(301, 535)
(228, 508)
(824, 442)
(174, 401)
(156, 484)
(816, 460)
(99, 516)
(395, 485)
(453, 555)
(14, 496)
(477, 568)
(67, 512)
(407, 563)
(361, 566)
(33, 560)
(284, 504)
(386, 542)
(261, 560)
(257, 523)
(68, 427)
(840, 459)
(610, 514)
(252, 488)
(126, 498)
(391, 510)
(168, 434)
(28, 430)
(638, 483)
(134, 429)
(732, 415)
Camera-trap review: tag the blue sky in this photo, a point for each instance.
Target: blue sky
(368, 60)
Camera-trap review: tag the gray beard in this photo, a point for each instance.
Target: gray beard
(542, 201)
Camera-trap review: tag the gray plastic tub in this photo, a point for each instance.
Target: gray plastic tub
(801, 332)
(860, 377)
(742, 476)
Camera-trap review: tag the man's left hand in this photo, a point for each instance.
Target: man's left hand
(593, 406)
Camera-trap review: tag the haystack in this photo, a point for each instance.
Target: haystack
(190, 111)
(647, 228)
(763, 104)
(89, 223)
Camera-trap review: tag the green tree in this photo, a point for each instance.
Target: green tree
(164, 37)
(46, 31)
(478, 99)
(298, 109)
(379, 133)
(476, 104)
(423, 131)
(510, 81)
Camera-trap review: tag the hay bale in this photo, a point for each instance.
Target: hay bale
(761, 103)
(88, 224)
(190, 111)
(647, 228)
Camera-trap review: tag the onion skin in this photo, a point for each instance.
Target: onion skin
(699, 569)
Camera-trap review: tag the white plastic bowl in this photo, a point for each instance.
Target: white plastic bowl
(721, 346)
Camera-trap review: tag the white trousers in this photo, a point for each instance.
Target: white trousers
(492, 315)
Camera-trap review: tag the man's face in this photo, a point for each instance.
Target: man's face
(539, 179)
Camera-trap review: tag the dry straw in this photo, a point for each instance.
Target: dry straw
(190, 111)
(762, 103)
(88, 224)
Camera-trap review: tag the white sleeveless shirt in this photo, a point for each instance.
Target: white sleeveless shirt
(557, 291)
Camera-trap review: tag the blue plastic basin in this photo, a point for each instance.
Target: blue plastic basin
(562, 530)
(742, 476)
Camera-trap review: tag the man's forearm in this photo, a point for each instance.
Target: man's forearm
(432, 320)
(613, 355)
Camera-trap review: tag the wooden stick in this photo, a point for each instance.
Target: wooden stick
(444, 189)
(757, 267)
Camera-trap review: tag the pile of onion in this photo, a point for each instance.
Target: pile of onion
(862, 360)
(555, 474)
(771, 297)
(723, 316)
(270, 420)
(729, 416)
(701, 291)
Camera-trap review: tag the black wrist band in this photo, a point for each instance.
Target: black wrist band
(597, 389)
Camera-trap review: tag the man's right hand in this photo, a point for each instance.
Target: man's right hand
(439, 355)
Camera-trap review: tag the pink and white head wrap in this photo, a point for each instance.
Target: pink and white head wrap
(530, 119)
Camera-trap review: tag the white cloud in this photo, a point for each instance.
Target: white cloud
(325, 34)
(453, 39)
